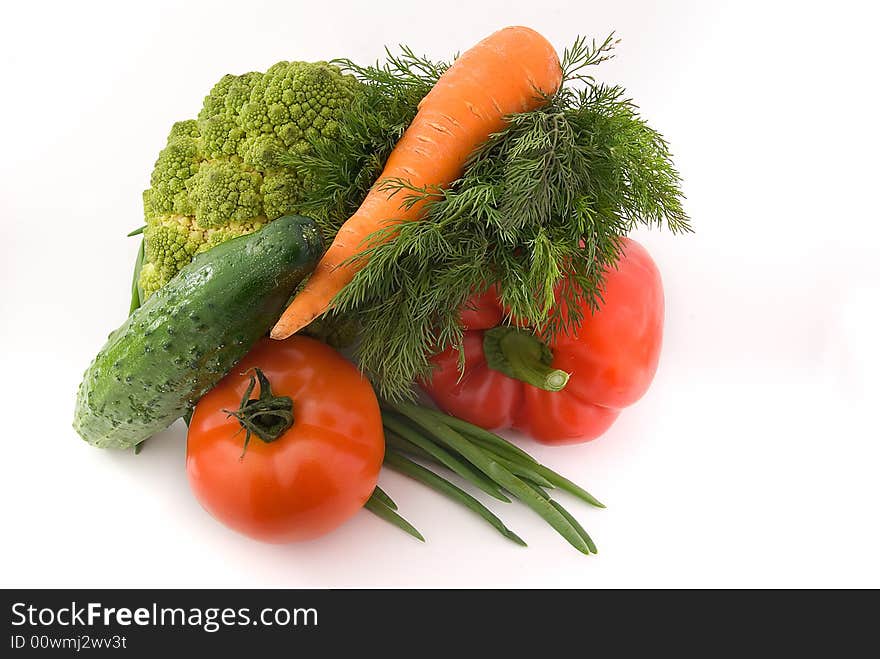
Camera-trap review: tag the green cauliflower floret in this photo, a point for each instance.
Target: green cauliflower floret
(178, 162)
(219, 175)
(219, 121)
(225, 190)
(298, 102)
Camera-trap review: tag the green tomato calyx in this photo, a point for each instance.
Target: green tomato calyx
(267, 416)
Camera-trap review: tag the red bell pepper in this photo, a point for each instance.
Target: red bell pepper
(572, 388)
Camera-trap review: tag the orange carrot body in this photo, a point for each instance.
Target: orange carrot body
(498, 77)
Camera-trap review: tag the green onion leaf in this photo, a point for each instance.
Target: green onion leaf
(443, 456)
(375, 505)
(135, 291)
(416, 471)
(382, 496)
(499, 445)
(497, 472)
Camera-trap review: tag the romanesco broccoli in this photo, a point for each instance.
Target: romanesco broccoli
(219, 176)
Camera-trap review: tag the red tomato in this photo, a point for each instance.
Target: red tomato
(611, 361)
(317, 474)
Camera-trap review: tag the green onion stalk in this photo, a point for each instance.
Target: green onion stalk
(421, 442)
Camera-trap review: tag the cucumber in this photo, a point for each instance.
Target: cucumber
(191, 332)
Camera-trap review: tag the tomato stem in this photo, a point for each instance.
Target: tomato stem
(520, 355)
(267, 416)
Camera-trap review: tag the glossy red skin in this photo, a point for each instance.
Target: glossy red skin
(612, 360)
(312, 479)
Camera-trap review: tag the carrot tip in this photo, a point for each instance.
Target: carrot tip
(279, 333)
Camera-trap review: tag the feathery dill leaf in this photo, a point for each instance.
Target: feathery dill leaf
(581, 55)
(541, 210)
(340, 172)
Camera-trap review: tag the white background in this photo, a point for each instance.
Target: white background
(752, 461)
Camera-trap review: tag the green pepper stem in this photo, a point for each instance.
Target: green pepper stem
(520, 355)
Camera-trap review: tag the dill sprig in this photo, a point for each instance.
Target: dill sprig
(340, 172)
(541, 209)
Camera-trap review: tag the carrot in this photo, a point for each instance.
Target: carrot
(500, 76)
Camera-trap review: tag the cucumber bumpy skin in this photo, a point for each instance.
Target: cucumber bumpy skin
(191, 332)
